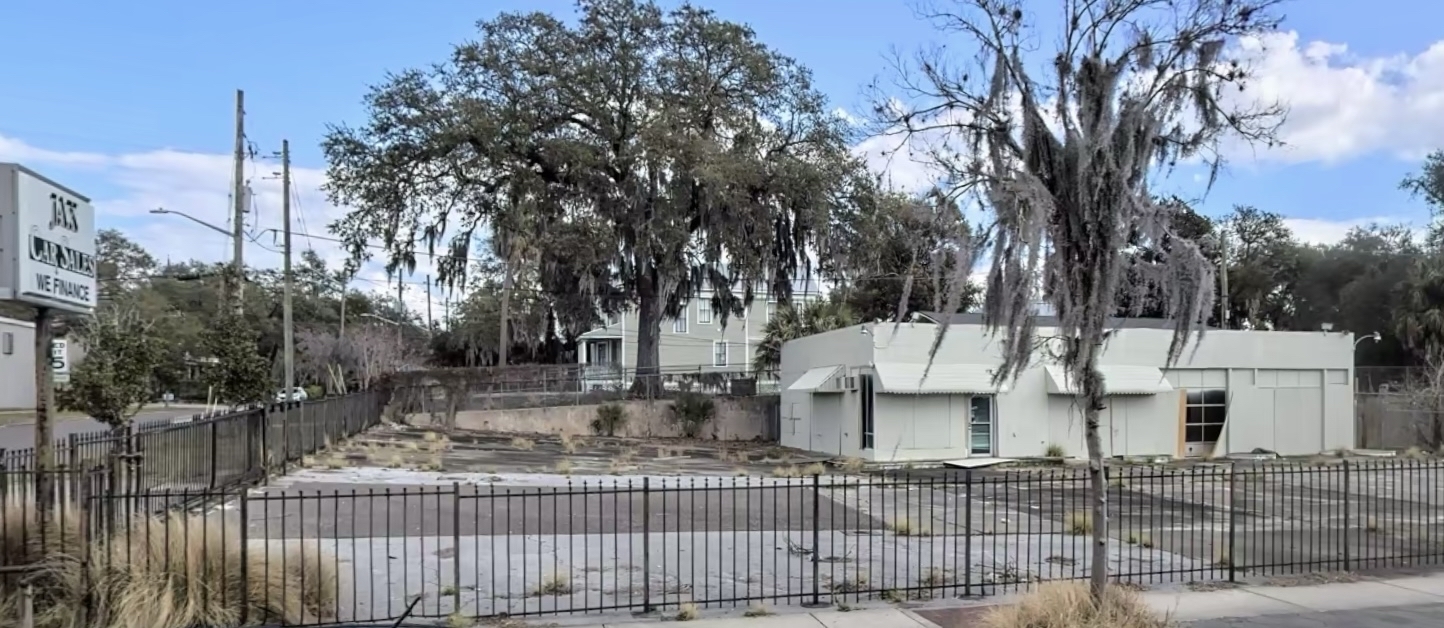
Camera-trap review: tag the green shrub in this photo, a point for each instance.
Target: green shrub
(610, 419)
(315, 392)
(691, 412)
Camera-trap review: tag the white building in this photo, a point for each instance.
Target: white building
(861, 392)
(17, 363)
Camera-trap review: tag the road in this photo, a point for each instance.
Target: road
(19, 432)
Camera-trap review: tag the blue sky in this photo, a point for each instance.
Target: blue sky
(131, 103)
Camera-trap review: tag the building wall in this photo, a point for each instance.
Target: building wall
(1286, 391)
(823, 422)
(17, 363)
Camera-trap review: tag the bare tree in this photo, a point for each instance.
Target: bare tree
(1424, 394)
(375, 350)
(1062, 155)
(323, 357)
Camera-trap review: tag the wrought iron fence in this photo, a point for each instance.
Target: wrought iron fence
(205, 452)
(479, 549)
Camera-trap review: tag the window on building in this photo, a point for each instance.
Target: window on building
(980, 425)
(864, 388)
(719, 353)
(1204, 415)
(9, 343)
(610, 320)
(704, 311)
(679, 324)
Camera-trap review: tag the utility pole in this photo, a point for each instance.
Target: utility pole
(44, 413)
(288, 331)
(400, 307)
(1223, 278)
(238, 195)
(428, 306)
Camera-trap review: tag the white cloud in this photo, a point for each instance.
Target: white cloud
(1342, 106)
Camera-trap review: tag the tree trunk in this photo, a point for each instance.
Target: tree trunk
(648, 379)
(1092, 390)
(504, 341)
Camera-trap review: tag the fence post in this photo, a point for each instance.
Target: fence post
(86, 536)
(242, 560)
(967, 532)
(1232, 521)
(646, 544)
(456, 547)
(1347, 557)
(215, 447)
(816, 544)
(72, 455)
(4, 479)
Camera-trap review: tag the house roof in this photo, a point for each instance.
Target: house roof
(976, 318)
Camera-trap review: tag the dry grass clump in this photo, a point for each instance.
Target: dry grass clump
(852, 466)
(794, 471)
(524, 444)
(687, 612)
(555, 584)
(757, 610)
(1068, 605)
(569, 443)
(1079, 523)
(908, 527)
(176, 571)
(564, 467)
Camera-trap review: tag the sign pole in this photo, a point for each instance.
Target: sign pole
(44, 413)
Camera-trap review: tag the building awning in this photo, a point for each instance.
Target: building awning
(942, 379)
(815, 379)
(1117, 380)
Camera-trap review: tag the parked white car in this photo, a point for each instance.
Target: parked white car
(297, 394)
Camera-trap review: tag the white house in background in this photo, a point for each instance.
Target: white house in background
(695, 342)
(860, 392)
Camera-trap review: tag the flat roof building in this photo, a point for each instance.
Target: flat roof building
(861, 392)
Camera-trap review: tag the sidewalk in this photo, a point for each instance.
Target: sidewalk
(1370, 602)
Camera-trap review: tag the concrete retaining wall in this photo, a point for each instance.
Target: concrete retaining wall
(738, 418)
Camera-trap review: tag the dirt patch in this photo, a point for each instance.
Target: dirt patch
(1310, 579)
(958, 617)
(1204, 586)
(460, 451)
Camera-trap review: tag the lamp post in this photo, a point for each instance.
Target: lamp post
(236, 269)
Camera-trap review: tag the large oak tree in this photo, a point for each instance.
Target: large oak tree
(649, 152)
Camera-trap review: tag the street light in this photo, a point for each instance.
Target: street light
(1376, 337)
(380, 318)
(162, 210)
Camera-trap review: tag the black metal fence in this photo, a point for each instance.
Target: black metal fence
(207, 452)
(478, 549)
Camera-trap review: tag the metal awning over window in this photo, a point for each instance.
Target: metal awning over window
(1117, 380)
(942, 379)
(818, 380)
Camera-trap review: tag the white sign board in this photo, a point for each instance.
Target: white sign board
(60, 360)
(48, 242)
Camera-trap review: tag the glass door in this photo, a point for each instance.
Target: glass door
(980, 425)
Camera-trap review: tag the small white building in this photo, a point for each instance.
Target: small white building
(17, 363)
(861, 392)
